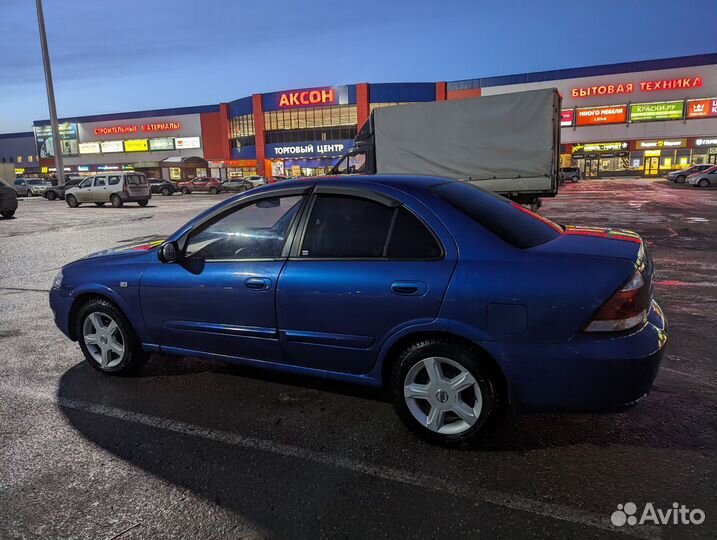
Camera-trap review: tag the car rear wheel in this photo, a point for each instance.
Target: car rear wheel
(72, 201)
(143, 203)
(51, 195)
(185, 191)
(7, 214)
(444, 393)
(703, 182)
(680, 179)
(116, 201)
(100, 204)
(213, 190)
(106, 338)
(165, 191)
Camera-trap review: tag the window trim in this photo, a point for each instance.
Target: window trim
(361, 193)
(244, 202)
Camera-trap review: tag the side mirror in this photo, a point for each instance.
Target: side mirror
(168, 252)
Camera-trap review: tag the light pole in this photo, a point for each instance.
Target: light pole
(59, 166)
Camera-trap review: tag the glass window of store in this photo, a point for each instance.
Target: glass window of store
(310, 124)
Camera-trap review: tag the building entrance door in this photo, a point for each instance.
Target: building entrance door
(712, 158)
(592, 168)
(652, 166)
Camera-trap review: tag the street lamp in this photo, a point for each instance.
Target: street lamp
(59, 166)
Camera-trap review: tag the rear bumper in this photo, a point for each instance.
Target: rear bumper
(126, 197)
(590, 373)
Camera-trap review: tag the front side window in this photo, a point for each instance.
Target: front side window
(254, 231)
(351, 227)
(86, 183)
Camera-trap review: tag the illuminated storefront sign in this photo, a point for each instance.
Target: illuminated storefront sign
(566, 118)
(136, 145)
(19, 170)
(601, 147)
(322, 96)
(46, 143)
(240, 163)
(613, 114)
(648, 112)
(137, 128)
(629, 88)
(706, 141)
(702, 108)
(111, 146)
(89, 148)
(662, 143)
(161, 144)
(318, 149)
(187, 142)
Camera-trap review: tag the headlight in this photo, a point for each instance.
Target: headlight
(57, 282)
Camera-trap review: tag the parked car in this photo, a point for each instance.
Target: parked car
(571, 174)
(238, 185)
(8, 199)
(458, 301)
(255, 180)
(275, 179)
(680, 176)
(28, 187)
(706, 178)
(58, 192)
(205, 183)
(116, 188)
(165, 187)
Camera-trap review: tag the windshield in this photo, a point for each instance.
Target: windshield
(36, 182)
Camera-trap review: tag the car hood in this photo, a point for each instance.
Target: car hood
(136, 249)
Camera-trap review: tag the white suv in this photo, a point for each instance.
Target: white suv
(116, 188)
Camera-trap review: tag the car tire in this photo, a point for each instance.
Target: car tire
(241, 189)
(185, 191)
(107, 339)
(575, 179)
(703, 182)
(165, 191)
(51, 195)
(100, 204)
(680, 179)
(116, 200)
(460, 412)
(72, 201)
(7, 214)
(213, 190)
(143, 203)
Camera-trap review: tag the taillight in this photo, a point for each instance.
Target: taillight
(625, 309)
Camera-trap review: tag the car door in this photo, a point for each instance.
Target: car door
(99, 192)
(366, 265)
(21, 187)
(84, 191)
(220, 299)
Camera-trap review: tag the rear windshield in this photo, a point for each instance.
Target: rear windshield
(136, 179)
(509, 221)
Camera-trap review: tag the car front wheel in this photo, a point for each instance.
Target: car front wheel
(107, 339)
(444, 393)
(703, 182)
(165, 191)
(51, 195)
(72, 201)
(213, 190)
(575, 179)
(680, 179)
(184, 191)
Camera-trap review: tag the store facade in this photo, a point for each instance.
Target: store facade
(634, 119)
(169, 144)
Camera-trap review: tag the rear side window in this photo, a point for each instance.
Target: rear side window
(136, 179)
(341, 227)
(114, 180)
(507, 220)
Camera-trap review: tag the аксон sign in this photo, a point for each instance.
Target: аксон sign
(307, 97)
(136, 128)
(629, 88)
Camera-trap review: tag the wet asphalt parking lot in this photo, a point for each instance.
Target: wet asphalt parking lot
(193, 449)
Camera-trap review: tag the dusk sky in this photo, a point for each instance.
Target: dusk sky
(149, 54)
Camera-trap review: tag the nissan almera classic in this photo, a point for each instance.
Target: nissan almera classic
(457, 301)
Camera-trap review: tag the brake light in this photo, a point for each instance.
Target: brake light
(625, 309)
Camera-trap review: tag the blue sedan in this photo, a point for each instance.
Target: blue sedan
(457, 301)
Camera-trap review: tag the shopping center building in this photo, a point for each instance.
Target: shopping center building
(632, 119)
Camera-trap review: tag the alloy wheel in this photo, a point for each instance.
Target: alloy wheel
(442, 395)
(104, 339)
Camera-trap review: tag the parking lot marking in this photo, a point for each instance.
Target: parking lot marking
(476, 494)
